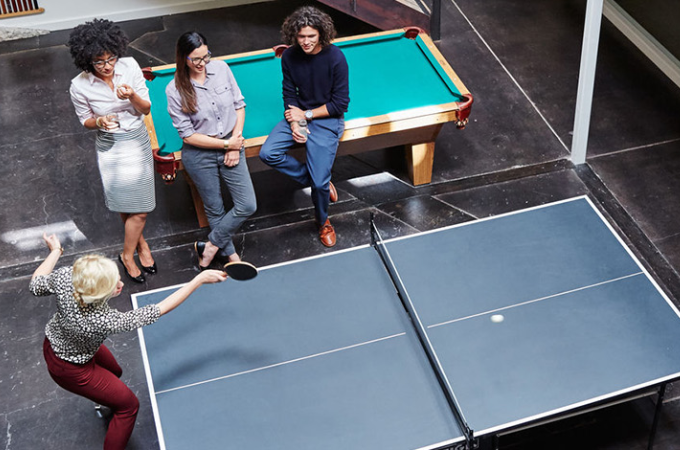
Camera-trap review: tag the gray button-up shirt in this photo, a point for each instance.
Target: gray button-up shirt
(217, 101)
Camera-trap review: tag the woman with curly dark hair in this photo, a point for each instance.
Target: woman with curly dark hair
(315, 96)
(208, 111)
(110, 96)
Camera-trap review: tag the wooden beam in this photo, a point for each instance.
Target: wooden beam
(382, 14)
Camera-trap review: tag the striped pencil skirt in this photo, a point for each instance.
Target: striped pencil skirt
(126, 168)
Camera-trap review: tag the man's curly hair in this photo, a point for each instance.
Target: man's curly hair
(92, 39)
(308, 16)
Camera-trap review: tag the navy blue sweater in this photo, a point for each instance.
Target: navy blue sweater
(310, 81)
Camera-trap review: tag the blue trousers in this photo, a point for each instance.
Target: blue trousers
(322, 144)
(206, 168)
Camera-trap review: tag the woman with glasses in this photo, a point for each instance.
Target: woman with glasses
(208, 111)
(110, 96)
(74, 350)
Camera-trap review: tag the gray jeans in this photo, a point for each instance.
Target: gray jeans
(206, 168)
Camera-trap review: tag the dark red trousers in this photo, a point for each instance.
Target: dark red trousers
(99, 381)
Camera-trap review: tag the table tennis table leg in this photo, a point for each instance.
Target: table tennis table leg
(473, 445)
(657, 413)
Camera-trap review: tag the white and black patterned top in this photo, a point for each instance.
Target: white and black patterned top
(76, 332)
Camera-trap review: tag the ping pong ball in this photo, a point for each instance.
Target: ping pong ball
(497, 318)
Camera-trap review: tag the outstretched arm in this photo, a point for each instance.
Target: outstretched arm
(178, 297)
(55, 252)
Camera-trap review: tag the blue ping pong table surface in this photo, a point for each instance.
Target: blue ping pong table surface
(320, 353)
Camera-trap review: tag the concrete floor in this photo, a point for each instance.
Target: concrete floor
(520, 58)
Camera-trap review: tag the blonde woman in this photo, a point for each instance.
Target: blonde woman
(73, 348)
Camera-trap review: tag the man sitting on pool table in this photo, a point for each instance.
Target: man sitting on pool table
(315, 89)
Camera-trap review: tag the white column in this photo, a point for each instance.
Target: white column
(586, 80)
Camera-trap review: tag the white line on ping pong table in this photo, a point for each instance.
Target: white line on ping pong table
(535, 300)
(245, 372)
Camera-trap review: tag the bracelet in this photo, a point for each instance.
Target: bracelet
(96, 122)
(226, 144)
(61, 250)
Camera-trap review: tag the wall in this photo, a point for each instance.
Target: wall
(65, 14)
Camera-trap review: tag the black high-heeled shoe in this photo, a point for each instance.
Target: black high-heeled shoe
(138, 279)
(200, 248)
(150, 269)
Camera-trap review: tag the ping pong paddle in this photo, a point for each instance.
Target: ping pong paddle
(240, 270)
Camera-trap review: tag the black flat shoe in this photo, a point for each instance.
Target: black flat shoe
(200, 247)
(138, 279)
(150, 269)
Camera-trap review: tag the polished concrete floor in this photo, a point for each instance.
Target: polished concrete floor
(520, 58)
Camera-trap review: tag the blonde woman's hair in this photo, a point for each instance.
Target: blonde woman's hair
(94, 279)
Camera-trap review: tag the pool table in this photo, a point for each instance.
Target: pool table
(402, 91)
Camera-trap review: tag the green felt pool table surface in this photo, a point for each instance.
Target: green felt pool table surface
(390, 75)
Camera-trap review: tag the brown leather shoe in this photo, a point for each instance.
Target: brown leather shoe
(327, 234)
(334, 193)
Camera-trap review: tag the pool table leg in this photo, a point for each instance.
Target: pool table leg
(420, 158)
(198, 202)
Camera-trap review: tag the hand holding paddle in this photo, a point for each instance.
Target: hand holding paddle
(210, 276)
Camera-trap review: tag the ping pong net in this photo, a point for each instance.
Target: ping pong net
(379, 245)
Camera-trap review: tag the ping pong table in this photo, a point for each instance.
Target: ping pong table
(517, 319)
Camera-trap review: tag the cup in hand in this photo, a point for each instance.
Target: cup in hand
(112, 120)
(303, 130)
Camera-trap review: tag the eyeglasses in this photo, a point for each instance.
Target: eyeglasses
(101, 64)
(197, 61)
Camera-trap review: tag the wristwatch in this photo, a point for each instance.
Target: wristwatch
(309, 114)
